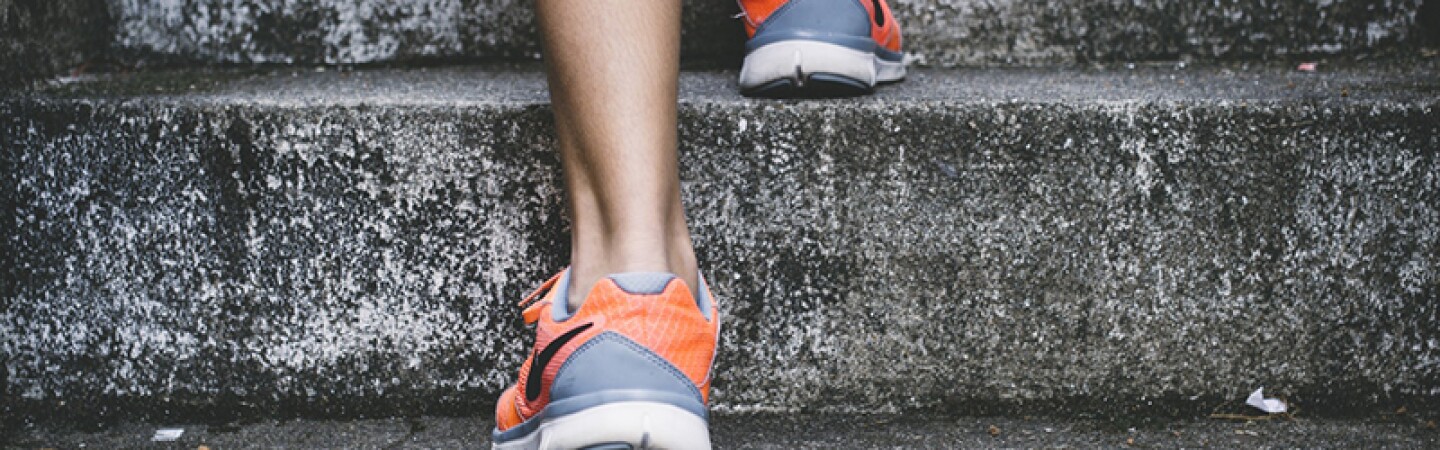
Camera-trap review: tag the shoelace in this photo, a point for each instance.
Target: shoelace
(530, 304)
(743, 14)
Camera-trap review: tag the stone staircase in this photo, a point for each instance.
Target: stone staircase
(1144, 210)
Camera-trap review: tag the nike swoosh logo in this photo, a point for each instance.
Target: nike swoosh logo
(542, 360)
(879, 13)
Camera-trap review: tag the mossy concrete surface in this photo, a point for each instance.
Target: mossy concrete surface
(1160, 239)
(43, 38)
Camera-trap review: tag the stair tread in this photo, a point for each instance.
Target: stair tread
(789, 431)
(525, 84)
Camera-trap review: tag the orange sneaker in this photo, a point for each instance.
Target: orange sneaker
(629, 369)
(819, 48)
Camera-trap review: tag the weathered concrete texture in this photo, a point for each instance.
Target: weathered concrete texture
(352, 243)
(970, 32)
(939, 32)
(368, 31)
(42, 38)
(788, 431)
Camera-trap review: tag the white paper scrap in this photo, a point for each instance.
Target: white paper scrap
(1269, 405)
(167, 434)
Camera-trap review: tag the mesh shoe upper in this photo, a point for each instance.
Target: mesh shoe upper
(667, 323)
(884, 29)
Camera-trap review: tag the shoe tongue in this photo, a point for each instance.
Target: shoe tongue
(643, 283)
(559, 298)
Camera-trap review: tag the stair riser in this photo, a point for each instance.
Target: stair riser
(944, 32)
(364, 259)
(87, 35)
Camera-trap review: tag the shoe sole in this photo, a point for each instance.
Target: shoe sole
(616, 426)
(814, 69)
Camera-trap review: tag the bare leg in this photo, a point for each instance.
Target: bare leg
(613, 74)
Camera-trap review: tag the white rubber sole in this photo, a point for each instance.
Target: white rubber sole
(641, 425)
(798, 59)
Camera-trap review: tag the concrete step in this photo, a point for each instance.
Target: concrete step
(352, 243)
(944, 33)
(784, 431)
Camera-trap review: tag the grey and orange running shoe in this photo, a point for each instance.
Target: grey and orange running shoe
(628, 369)
(819, 48)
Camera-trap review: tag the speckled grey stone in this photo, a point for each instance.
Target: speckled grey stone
(938, 32)
(986, 240)
(367, 31)
(991, 32)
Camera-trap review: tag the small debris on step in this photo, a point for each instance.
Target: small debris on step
(1269, 405)
(167, 434)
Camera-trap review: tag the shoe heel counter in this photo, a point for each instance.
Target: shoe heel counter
(613, 366)
(655, 283)
(815, 18)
